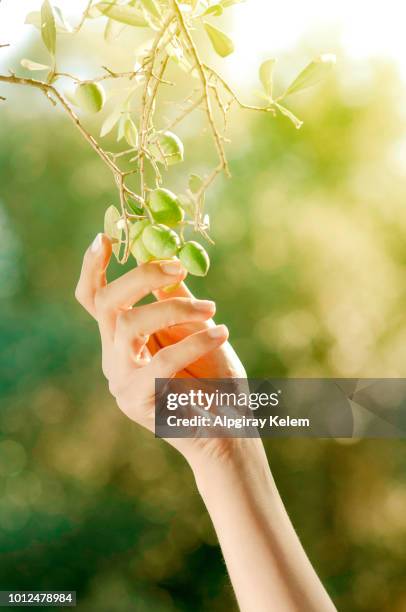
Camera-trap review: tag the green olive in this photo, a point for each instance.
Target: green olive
(194, 258)
(139, 251)
(137, 228)
(161, 241)
(90, 97)
(165, 207)
(172, 147)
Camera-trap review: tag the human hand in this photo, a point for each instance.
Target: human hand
(174, 336)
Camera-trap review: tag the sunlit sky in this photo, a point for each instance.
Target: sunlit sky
(265, 27)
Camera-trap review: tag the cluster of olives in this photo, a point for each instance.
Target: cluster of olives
(155, 238)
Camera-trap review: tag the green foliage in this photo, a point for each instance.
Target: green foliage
(48, 28)
(308, 274)
(132, 109)
(90, 97)
(165, 207)
(194, 258)
(160, 241)
(222, 44)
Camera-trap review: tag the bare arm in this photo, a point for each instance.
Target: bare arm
(175, 336)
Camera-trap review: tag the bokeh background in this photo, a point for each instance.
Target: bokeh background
(308, 273)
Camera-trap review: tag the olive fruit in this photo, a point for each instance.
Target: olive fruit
(90, 97)
(160, 241)
(138, 250)
(172, 148)
(137, 246)
(165, 207)
(194, 258)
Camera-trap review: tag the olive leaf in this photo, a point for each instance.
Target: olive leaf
(266, 76)
(48, 28)
(222, 44)
(195, 183)
(90, 97)
(64, 26)
(30, 65)
(151, 7)
(285, 111)
(314, 72)
(112, 30)
(130, 132)
(126, 14)
(110, 121)
(111, 218)
(227, 3)
(216, 10)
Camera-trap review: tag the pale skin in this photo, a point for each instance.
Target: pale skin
(176, 336)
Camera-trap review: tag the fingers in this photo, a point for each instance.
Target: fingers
(93, 273)
(125, 291)
(148, 319)
(134, 326)
(172, 359)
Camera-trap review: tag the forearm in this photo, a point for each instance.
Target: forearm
(267, 565)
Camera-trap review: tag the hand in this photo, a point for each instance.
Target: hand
(174, 336)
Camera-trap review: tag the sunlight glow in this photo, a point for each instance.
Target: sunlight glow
(265, 29)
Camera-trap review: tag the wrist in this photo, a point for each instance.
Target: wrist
(228, 462)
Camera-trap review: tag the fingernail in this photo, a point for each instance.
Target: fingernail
(203, 304)
(217, 332)
(171, 267)
(96, 244)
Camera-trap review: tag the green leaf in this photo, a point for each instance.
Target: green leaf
(314, 72)
(30, 65)
(227, 3)
(110, 121)
(90, 97)
(285, 111)
(48, 28)
(111, 218)
(112, 30)
(165, 207)
(123, 14)
(216, 10)
(130, 132)
(222, 44)
(194, 258)
(151, 7)
(160, 241)
(266, 76)
(63, 24)
(195, 182)
(172, 148)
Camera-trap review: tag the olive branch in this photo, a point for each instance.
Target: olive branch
(144, 224)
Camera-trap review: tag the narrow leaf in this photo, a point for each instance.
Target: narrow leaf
(111, 228)
(30, 65)
(222, 44)
(285, 111)
(63, 24)
(111, 120)
(216, 10)
(314, 72)
(48, 29)
(123, 14)
(130, 132)
(266, 76)
(152, 8)
(195, 182)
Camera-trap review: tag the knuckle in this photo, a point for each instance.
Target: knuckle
(124, 322)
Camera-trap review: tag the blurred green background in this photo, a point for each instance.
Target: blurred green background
(307, 272)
